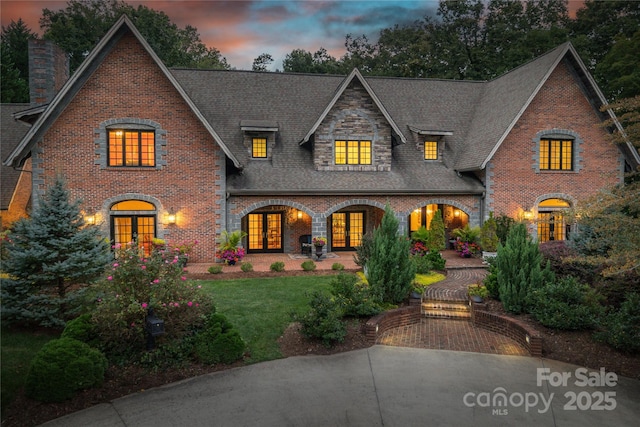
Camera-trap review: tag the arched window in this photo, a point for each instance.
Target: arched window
(133, 220)
(552, 224)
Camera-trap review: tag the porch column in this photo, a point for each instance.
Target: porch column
(319, 228)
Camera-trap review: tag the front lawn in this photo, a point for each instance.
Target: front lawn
(18, 348)
(261, 308)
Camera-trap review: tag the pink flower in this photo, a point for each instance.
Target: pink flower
(199, 286)
(133, 324)
(115, 264)
(175, 304)
(144, 305)
(189, 303)
(110, 278)
(144, 267)
(183, 278)
(156, 281)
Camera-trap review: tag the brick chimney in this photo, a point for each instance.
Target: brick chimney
(48, 71)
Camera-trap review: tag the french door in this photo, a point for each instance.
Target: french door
(265, 232)
(347, 229)
(139, 228)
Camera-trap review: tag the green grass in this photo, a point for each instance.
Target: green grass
(261, 308)
(17, 349)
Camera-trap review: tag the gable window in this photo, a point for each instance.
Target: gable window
(353, 152)
(131, 148)
(556, 154)
(431, 150)
(259, 148)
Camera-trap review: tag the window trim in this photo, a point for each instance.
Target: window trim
(577, 149)
(101, 141)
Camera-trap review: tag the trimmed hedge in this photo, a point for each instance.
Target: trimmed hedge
(62, 368)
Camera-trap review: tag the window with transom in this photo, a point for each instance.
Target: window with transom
(352, 152)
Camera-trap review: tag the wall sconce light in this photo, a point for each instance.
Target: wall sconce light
(528, 215)
(171, 217)
(299, 214)
(90, 219)
(456, 213)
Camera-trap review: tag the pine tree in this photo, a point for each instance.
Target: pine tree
(54, 249)
(390, 270)
(519, 269)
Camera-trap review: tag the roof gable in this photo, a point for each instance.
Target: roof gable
(75, 83)
(514, 92)
(355, 74)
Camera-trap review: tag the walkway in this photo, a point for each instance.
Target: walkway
(437, 334)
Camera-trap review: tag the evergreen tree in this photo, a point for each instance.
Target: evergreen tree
(390, 270)
(437, 233)
(53, 250)
(519, 270)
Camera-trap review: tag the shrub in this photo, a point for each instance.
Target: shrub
(24, 303)
(390, 270)
(336, 266)
(621, 329)
(566, 304)
(82, 329)
(246, 267)
(423, 265)
(436, 242)
(137, 283)
(436, 260)
(489, 234)
(277, 266)
(491, 280)
(363, 252)
(61, 368)
(215, 269)
(503, 226)
(219, 342)
(519, 271)
(478, 290)
(324, 320)
(308, 265)
(354, 297)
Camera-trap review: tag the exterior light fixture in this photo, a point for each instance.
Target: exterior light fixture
(90, 219)
(456, 213)
(171, 217)
(299, 214)
(528, 215)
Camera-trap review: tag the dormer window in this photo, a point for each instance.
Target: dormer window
(352, 152)
(259, 148)
(431, 150)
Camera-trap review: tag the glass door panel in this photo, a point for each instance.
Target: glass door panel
(255, 232)
(122, 230)
(339, 230)
(356, 228)
(274, 231)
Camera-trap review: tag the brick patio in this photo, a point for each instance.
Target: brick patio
(438, 334)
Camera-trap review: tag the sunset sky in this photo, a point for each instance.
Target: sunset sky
(242, 30)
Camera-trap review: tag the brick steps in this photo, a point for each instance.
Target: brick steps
(446, 309)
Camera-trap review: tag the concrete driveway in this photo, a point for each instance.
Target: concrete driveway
(382, 386)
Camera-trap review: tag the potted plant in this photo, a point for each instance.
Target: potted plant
(229, 251)
(489, 237)
(318, 242)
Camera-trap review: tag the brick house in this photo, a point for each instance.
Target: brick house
(183, 154)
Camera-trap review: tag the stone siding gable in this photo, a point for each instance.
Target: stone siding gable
(354, 117)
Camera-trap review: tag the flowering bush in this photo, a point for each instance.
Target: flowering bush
(419, 248)
(319, 241)
(137, 283)
(466, 249)
(231, 256)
